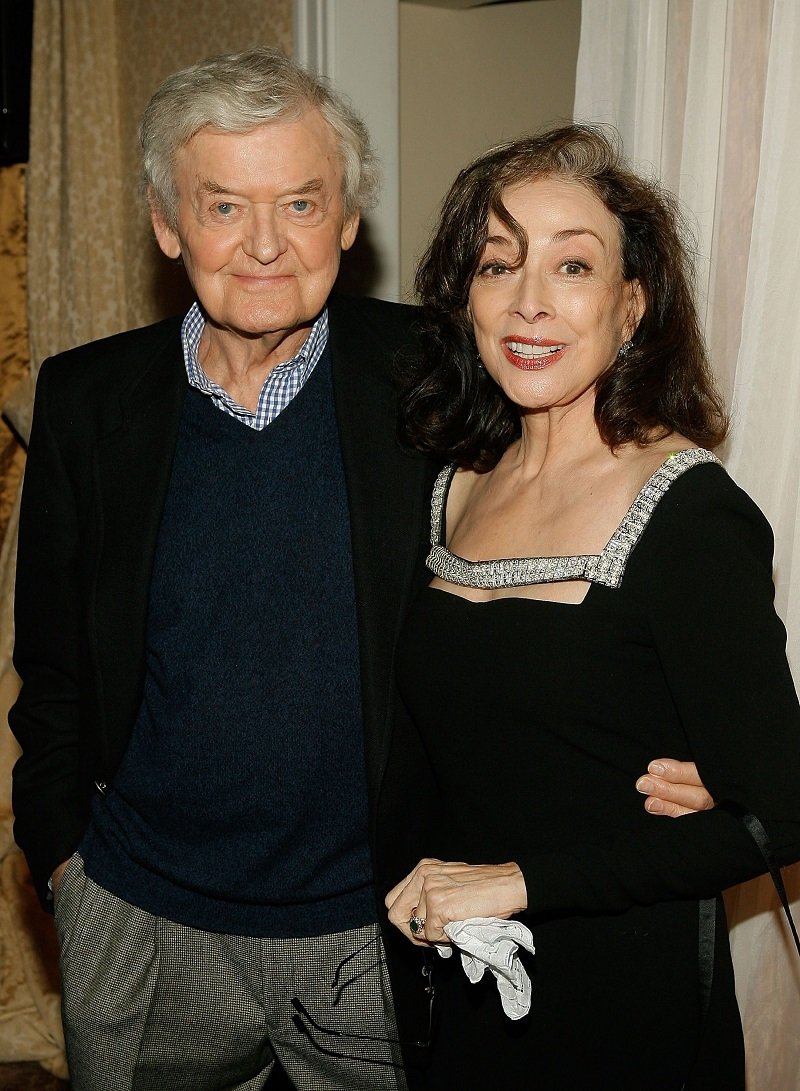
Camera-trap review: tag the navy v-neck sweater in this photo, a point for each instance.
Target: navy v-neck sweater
(241, 802)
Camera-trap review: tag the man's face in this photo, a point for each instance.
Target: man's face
(260, 226)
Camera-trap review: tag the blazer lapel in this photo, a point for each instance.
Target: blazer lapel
(387, 490)
(134, 462)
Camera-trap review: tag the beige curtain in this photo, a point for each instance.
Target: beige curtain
(93, 270)
(706, 94)
(29, 1021)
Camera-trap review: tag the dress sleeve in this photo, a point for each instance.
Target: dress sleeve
(703, 574)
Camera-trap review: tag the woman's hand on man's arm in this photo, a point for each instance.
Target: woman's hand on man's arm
(437, 892)
(673, 788)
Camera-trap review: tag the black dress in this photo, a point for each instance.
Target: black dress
(538, 716)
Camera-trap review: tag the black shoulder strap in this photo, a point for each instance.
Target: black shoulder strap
(759, 834)
(707, 944)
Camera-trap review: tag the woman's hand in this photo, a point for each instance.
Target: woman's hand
(439, 892)
(673, 788)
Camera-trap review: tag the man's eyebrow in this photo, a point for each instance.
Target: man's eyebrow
(208, 185)
(314, 185)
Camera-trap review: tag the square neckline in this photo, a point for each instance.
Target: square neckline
(606, 568)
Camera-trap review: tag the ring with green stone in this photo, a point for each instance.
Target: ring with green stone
(416, 924)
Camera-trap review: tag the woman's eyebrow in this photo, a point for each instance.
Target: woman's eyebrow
(571, 232)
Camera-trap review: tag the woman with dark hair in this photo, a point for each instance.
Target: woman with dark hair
(600, 588)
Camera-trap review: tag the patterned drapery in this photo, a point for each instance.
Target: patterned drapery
(92, 269)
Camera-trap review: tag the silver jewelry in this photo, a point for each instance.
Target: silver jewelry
(606, 568)
(625, 348)
(416, 924)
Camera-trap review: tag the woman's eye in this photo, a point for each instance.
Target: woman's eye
(574, 268)
(493, 269)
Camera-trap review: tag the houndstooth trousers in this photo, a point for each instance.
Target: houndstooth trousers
(150, 1005)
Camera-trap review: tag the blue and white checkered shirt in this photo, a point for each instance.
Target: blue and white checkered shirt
(281, 385)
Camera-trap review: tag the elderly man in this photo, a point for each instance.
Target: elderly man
(218, 538)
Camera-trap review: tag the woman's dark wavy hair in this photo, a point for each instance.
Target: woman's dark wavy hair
(451, 408)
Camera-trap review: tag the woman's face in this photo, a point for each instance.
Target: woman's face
(547, 329)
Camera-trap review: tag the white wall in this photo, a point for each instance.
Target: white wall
(436, 86)
(355, 44)
(469, 79)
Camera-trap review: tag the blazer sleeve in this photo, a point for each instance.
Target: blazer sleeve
(703, 571)
(49, 793)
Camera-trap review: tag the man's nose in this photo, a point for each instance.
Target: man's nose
(264, 239)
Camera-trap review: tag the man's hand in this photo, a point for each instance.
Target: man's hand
(55, 879)
(673, 788)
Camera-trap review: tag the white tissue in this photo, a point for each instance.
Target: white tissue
(494, 943)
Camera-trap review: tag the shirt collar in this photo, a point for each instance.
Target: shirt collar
(303, 361)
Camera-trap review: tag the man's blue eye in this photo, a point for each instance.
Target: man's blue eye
(301, 205)
(225, 208)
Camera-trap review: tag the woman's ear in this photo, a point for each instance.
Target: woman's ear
(636, 308)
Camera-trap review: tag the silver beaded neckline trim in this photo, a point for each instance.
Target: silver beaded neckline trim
(606, 568)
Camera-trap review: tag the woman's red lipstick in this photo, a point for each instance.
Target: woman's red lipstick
(532, 353)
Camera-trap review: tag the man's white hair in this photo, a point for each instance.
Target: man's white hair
(236, 93)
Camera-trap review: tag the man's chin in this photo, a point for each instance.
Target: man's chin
(274, 326)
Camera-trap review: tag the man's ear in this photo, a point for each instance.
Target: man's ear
(349, 231)
(166, 236)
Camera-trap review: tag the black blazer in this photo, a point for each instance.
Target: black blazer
(104, 432)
